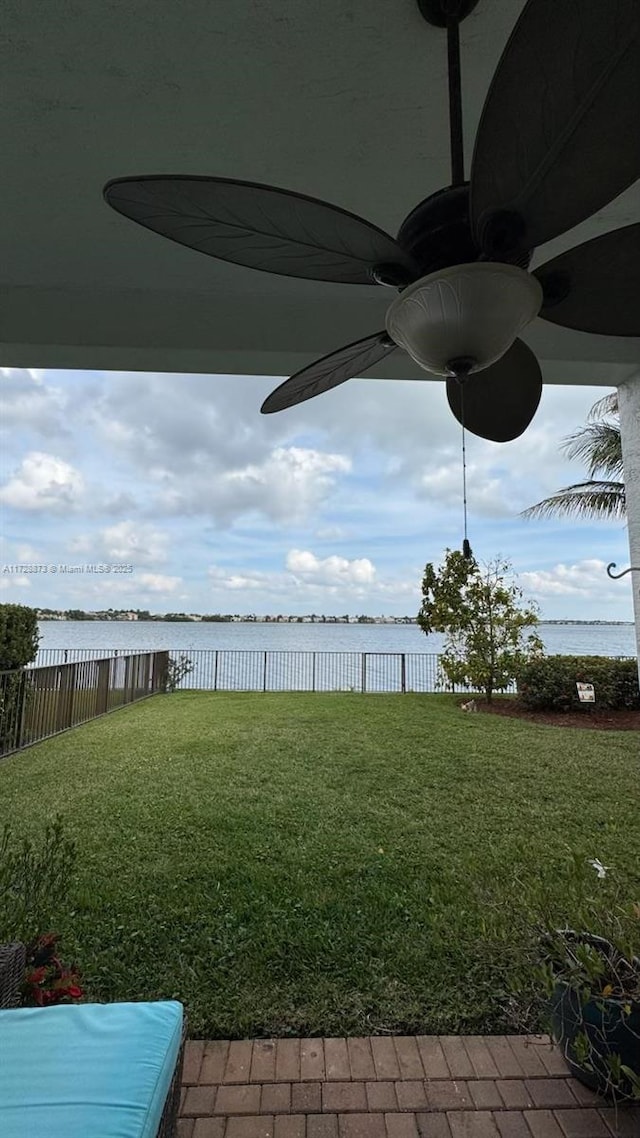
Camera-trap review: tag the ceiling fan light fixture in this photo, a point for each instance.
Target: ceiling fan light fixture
(469, 312)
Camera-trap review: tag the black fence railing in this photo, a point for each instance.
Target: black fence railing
(225, 669)
(42, 701)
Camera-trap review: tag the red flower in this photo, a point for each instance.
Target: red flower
(47, 979)
(36, 975)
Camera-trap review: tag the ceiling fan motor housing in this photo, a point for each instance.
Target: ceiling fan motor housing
(437, 234)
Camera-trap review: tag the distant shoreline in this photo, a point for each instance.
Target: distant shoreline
(390, 621)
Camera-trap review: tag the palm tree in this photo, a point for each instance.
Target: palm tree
(599, 445)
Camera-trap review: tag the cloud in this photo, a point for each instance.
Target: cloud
(27, 555)
(128, 541)
(330, 570)
(158, 583)
(14, 581)
(487, 494)
(310, 580)
(30, 403)
(43, 482)
(135, 590)
(288, 486)
(587, 579)
(238, 582)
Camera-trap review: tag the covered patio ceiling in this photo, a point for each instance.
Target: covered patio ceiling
(341, 99)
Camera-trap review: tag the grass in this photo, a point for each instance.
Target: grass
(326, 864)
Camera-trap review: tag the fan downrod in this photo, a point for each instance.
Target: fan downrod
(440, 13)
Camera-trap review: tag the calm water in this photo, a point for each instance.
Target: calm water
(578, 639)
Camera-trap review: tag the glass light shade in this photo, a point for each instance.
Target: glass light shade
(467, 312)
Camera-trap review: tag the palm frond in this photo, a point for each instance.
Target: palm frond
(599, 446)
(608, 405)
(593, 499)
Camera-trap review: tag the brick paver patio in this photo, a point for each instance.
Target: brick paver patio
(390, 1087)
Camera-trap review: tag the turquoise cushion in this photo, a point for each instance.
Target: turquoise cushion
(87, 1070)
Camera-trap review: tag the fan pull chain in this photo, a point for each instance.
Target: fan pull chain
(466, 547)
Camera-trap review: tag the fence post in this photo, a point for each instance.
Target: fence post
(102, 690)
(127, 680)
(264, 674)
(364, 672)
(403, 673)
(215, 672)
(313, 672)
(160, 670)
(24, 696)
(65, 696)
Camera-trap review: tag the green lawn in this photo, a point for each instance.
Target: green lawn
(326, 864)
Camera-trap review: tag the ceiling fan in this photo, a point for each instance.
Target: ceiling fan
(559, 138)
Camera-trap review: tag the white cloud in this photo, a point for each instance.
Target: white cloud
(27, 555)
(487, 494)
(43, 482)
(131, 590)
(158, 582)
(287, 486)
(330, 570)
(238, 582)
(14, 581)
(28, 402)
(127, 541)
(311, 580)
(587, 579)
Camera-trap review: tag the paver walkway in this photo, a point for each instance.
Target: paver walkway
(391, 1087)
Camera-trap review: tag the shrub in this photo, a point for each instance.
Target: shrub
(34, 880)
(549, 684)
(179, 667)
(18, 646)
(18, 636)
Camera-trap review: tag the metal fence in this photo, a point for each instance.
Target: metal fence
(271, 671)
(43, 700)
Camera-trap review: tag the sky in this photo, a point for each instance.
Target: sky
(332, 507)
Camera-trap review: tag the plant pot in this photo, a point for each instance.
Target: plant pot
(607, 1027)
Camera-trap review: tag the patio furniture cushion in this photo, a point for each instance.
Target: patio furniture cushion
(87, 1070)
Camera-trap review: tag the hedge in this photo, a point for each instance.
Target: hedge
(18, 636)
(18, 646)
(549, 684)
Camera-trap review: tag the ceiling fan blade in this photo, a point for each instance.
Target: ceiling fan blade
(261, 227)
(558, 137)
(330, 371)
(499, 402)
(596, 286)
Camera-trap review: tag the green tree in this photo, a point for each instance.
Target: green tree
(481, 612)
(19, 636)
(599, 445)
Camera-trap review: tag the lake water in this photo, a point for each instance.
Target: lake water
(567, 639)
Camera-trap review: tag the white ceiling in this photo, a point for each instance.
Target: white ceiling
(340, 99)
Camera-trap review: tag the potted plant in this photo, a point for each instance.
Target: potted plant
(594, 1009)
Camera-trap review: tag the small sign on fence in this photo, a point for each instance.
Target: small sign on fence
(586, 692)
